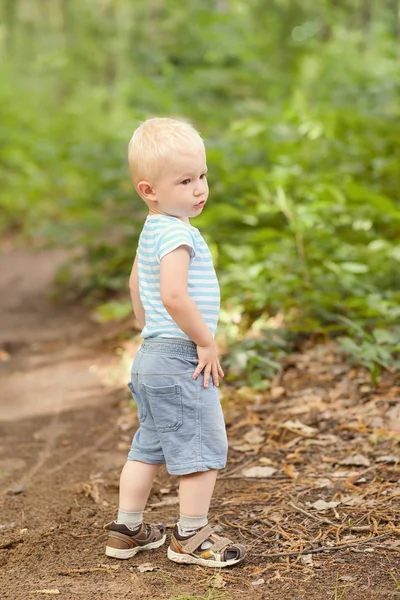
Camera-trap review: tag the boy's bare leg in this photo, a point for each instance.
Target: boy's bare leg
(135, 485)
(128, 534)
(195, 493)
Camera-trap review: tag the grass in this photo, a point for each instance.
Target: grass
(339, 594)
(211, 594)
(396, 581)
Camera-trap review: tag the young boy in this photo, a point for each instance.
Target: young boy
(174, 380)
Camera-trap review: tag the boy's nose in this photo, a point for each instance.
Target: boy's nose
(200, 188)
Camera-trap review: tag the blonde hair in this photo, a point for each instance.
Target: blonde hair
(155, 141)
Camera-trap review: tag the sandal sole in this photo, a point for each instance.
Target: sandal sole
(124, 554)
(192, 560)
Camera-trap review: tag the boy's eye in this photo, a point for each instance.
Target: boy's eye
(203, 176)
(185, 181)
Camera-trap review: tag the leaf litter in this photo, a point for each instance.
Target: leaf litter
(325, 416)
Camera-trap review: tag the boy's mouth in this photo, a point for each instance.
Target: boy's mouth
(200, 204)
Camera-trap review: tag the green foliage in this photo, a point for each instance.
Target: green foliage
(255, 361)
(113, 310)
(299, 106)
(377, 350)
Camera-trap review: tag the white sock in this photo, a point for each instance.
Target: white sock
(188, 525)
(130, 519)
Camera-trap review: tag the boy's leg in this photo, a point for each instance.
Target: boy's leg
(193, 540)
(195, 493)
(128, 534)
(135, 485)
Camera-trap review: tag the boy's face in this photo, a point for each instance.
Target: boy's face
(181, 188)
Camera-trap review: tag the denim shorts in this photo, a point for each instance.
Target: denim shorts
(181, 422)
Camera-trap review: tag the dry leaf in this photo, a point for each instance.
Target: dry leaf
(307, 559)
(219, 582)
(341, 474)
(259, 472)
(127, 421)
(355, 460)
(389, 459)
(290, 471)
(392, 492)
(274, 517)
(247, 392)
(391, 544)
(349, 578)
(169, 501)
(277, 392)
(265, 461)
(255, 436)
(245, 447)
(16, 489)
(300, 427)
(146, 567)
(322, 505)
(123, 446)
(4, 356)
(91, 491)
(7, 525)
(352, 500)
(393, 417)
(322, 483)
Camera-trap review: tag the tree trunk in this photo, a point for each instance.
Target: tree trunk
(398, 28)
(10, 8)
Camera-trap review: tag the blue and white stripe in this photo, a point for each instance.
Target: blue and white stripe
(161, 235)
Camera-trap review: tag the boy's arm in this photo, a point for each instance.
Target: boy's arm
(174, 269)
(135, 296)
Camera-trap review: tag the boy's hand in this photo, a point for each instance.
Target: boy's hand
(208, 360)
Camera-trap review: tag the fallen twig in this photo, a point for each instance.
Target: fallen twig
(271, 477)
(325, 548)
(86, 571)
(390, 548)
(225, 475)
(316, 517)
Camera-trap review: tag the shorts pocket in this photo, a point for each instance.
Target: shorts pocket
(166, 406)
(142, 414)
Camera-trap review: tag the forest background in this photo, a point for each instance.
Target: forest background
(299, 104)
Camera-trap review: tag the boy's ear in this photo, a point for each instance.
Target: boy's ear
(145, 190)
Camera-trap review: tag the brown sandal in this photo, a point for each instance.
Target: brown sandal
(124, 542)
(205, 548)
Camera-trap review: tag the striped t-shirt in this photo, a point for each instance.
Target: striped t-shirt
(162, 234)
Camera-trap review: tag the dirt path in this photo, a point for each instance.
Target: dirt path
(64, 435)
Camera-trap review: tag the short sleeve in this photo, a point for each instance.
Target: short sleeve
(171, 238)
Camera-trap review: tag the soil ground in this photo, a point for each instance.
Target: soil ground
(66, 424)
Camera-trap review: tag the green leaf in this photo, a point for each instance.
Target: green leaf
(353, 267)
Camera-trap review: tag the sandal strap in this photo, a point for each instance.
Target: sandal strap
(220, 544)
(194, 542)
(155, 532)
